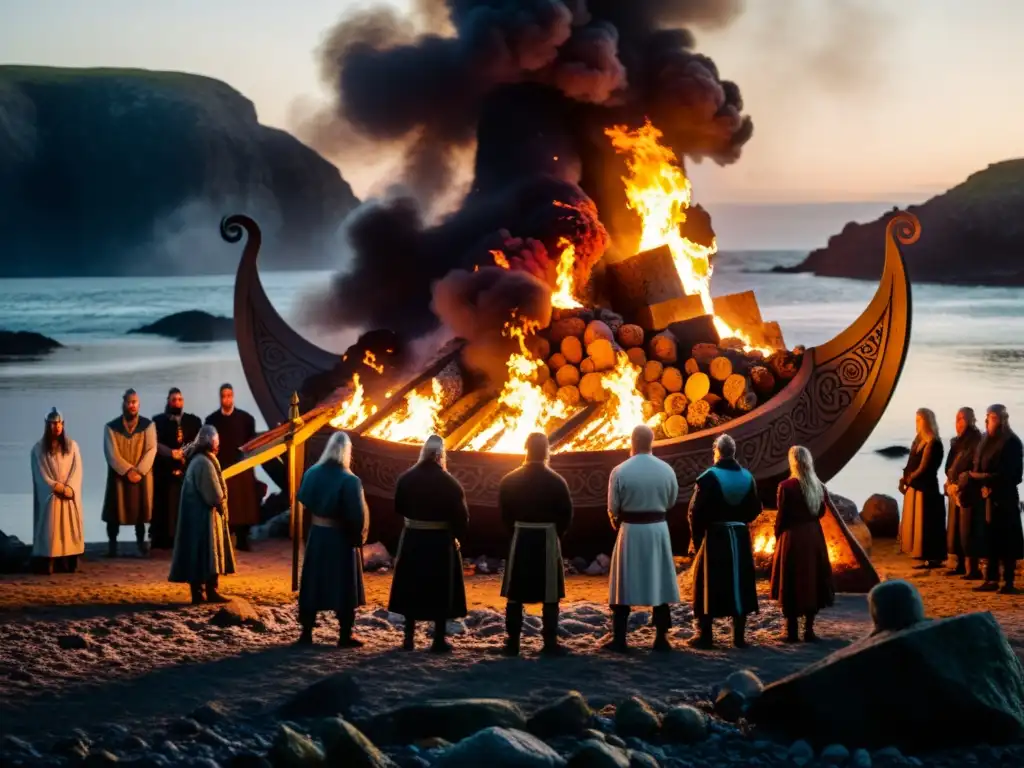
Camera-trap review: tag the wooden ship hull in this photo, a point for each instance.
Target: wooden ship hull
(831, 406)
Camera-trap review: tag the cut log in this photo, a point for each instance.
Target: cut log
(697, 414)
(572, 349)
(762, 379)
(646, 278)
(664, 314)
(567, 376)
(720, 368)
(637, 356)
(672, 379)
(631, 336)
(697, 386)
(695, 330)
(740, 312)
(592, 388)
(664, 348)
(675, 426)
(675, 404)
(734, 388)
(704, 354)
(569, 395)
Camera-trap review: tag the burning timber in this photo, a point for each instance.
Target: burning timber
(835, 395)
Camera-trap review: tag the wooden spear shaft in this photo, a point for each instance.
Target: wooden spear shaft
(293, 491)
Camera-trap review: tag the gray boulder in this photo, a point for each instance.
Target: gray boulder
(684, 725)
(451, 720)
(598, 754)
(635, 717)
(346, 745)
(500, 748)
(895, 605)
(940, 683)
(568, 716)
(292, 749)
(334, 695)
(881, 514)
(851, 516)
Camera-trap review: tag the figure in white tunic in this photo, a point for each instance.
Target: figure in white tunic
(56, 494)
(641, 491)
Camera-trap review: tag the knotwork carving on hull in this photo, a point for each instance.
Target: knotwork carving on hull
(831, 406)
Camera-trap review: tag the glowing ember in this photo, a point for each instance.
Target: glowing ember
(658, 190)
(414, 421)
(562, 297)
(500, 260)
(355, 409)
(370, 361)
(525, 407)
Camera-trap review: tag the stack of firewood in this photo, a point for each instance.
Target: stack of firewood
(684, 390)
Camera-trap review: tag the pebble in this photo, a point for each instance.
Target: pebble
(860, 758)
(835, 754)
(801, 753)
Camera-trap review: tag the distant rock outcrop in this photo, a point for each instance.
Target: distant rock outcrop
(971, 235)
(25, 344)
(126, 171)
(191, 326)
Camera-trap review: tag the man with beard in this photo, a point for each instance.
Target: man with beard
(999, 469)
(965, 529)
(175, 429)
(641, 491)
(723, 504)
(536, 505)
(236, 428)
(129, 444)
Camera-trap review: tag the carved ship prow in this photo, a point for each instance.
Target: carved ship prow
(831, 406)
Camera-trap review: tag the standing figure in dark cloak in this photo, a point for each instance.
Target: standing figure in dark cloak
(641, 491)
(236, 428)
(801, 571)
(129, 444)
(332, 571)
(202, 540)
(922, 527)
(175, 430)
(999, 470)
(965, 530)
(536, 506)
(57, 538)
(723, 504)
(428, 582)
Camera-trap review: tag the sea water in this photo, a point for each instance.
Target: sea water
(967, 348)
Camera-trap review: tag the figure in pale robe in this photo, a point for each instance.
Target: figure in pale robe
(641, 491)
(129, 445)
(202, 540)
(56, 499)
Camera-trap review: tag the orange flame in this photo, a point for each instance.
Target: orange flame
(562, 297)
(413, 422)
(370, 361)
(500, 259)
(355, 409)
(658, 190)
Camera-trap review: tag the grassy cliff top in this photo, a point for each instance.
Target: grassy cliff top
(27, 74)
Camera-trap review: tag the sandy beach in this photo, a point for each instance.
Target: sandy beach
(146, 657)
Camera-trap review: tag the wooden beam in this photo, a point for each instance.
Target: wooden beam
(658, 317)
(573, 423)
(468, 428)
(398, 396)
(646, 278)
(251, 462)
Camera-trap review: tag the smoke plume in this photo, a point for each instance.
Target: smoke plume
(533, 83)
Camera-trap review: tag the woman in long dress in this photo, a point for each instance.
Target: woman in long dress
(923, 525)
(57, 539)
(801, 571)
(332, 572)
(428, 583)
(202, 543)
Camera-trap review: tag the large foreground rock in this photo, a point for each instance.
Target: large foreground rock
(448, 720)
(847, 510)
(881, 514)
(14, 554)
(501, 748)
(943, 683)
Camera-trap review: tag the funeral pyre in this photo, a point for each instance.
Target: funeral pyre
(645, 343)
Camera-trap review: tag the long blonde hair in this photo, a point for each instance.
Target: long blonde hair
(338, 451)
(801, 466)
(930, 422)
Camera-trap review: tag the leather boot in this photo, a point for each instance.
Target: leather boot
(705, 634)
(346, 639)
(809, 636)
(792, 630)
(662, 624)
(1009, 574)
(550, 631)
(620, 626)
(197, 593)
(513, 627)
(306, 636)
(212, 595)
(112, 548)
(973, 570)
(409, 643)
(739, 624)
(960, 569)
(440, 644)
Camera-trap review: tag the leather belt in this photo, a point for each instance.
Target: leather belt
(535, 526)
(641, 518)
(426, 525)
(325, 522)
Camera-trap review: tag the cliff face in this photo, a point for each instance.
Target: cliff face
(110, 171)
(973, 234)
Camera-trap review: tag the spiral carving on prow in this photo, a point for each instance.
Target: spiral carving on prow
(904, 227)
(233, 227)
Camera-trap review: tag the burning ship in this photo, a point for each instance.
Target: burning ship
(553, 330)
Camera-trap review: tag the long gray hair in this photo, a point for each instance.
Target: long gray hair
(203, 441)
(338, 451)
(801, 466)
(433, 450)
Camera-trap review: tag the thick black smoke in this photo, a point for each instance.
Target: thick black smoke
(534, 83)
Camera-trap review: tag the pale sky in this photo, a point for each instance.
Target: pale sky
(851, 99)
